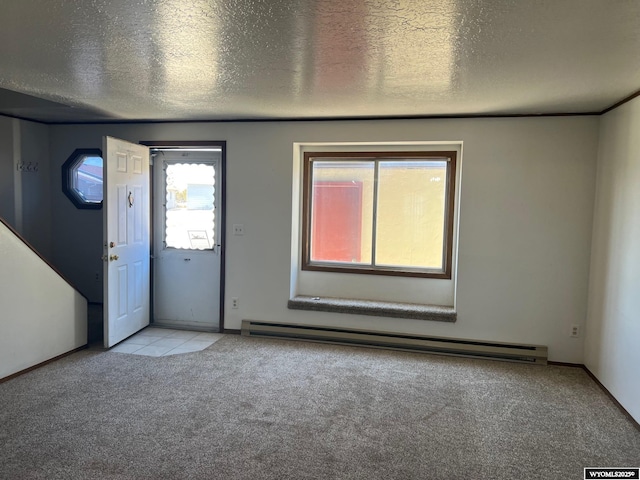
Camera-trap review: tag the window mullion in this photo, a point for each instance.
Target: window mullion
(374, 222)
(447, 213)
(308, 208)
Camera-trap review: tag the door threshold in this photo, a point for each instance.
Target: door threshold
(185, 326)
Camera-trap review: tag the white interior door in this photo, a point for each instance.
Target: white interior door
(187, 243)
(126, 212)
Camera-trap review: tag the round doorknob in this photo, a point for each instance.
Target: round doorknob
(113, 257)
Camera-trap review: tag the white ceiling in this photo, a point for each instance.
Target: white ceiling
(124, 60)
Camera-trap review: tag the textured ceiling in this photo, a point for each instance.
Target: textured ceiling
(108, 60)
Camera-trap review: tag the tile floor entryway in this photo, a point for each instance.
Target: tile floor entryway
(159, 342)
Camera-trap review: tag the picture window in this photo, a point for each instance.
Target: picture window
(384, 213)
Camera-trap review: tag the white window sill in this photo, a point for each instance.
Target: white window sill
(414, 311)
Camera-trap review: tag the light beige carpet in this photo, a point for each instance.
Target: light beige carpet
(270, 409)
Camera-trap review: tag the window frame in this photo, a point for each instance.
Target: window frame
(215, 163)
(448, 227)
(68, 168)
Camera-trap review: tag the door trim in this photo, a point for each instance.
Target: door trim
(183, 144)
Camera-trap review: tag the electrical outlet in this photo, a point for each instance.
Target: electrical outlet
(235, 302)
(575, 331)
(97, 276)
(238, 229)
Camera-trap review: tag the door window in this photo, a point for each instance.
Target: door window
(190, 206)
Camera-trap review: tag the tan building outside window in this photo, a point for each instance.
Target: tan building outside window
(387, 213)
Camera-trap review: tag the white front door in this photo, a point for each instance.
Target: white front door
(187, 243)
(126, 239)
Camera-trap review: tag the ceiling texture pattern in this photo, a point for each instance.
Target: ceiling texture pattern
(134, 60)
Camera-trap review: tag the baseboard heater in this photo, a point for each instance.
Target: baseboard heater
(511, 352)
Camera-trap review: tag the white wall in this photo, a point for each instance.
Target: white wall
(525, 220)
(25, 195)
(7, 201)
(42, 316)
(612, 343)
(35, 186)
